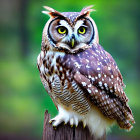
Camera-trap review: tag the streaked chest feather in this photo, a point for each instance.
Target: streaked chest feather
(49, 62)
(59, 83)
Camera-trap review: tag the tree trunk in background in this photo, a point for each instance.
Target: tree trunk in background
(23, 27)
(66, 132)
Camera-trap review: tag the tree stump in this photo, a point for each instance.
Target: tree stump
(66, 132)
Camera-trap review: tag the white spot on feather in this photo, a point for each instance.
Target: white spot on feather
(61, 68)
(96, 77)
(89, 85)
(87, 66)
(84, 84)
(100, 83)
(112, 76)
(96, 90)
(105, 84)
(92, 78)
(109, 68)
(42, 68)
(89, 90)
(77, 65)
(99, 75)
(111, 90)
(89, 76)
(42, 54)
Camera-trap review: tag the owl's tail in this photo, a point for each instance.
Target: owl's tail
(127, 120)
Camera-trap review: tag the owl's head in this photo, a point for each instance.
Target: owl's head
(70, 31)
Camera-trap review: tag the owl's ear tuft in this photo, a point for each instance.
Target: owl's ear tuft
(86, 11)
(51, 12)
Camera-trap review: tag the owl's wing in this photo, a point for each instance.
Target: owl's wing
(101, 69)
(100, 78)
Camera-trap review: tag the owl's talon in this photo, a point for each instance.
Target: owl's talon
(54, 127)
(76, 121)
(84, 124)
(65, 118)
(66, 121)
(71, 122)
(53, 119)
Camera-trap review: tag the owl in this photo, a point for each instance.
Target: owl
(82, 79)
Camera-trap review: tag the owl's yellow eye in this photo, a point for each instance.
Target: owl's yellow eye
(82, 30)
(61, 30)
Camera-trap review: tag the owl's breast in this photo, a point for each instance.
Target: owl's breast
(48, 66)
(48, 62)
(57, 75)
(53, 73)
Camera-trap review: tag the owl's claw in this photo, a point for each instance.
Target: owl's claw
(54, 127)
(71, 122)
(84, 124)
(59, 119)
(50, 121)
(66, 120)
(53, 119)
(76, 121)
(56, 121)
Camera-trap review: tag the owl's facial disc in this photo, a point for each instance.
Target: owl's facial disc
(71, 37)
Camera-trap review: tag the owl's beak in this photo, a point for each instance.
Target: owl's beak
(73, 42)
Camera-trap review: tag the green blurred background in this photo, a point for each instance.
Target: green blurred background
(23, 99)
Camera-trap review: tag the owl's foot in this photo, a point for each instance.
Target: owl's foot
(74, 121)
(58, 120)
(65, 117)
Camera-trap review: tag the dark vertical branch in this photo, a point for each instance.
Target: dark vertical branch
(66, 132)
(136, 20)
(23, 27)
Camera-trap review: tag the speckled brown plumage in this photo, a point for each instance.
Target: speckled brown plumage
(83, 78)
(97, 74)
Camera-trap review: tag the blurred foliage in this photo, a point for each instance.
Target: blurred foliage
(23, 99)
